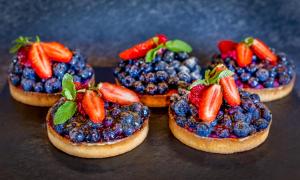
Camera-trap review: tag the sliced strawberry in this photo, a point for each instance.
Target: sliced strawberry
(262, 51)
(230, 91)
(195, 94)
(93, 105)
(57, 52)
(226, 45)
(40, 61)
(117, 94)
(210, 103)
(140, 50)
(244, 54)
(22, 55)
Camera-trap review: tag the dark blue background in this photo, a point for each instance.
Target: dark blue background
(103, 28)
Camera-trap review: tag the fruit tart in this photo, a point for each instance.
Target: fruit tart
(214, 116)
(97, 122)
(156, 68)
(258, 68)
(36, 71)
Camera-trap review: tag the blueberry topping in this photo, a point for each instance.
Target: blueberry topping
(27, 84)
(14, 79)
(241, 129)
(29, 73)
(181, 107)
(59, 69)
(38, 87)
(52, 85)
(203, 130)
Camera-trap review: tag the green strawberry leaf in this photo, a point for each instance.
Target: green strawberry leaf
(68, 86)
(178, 46)
(219, 75)
(197, 82)
(249, 41)
(18, 43)
(65, 112)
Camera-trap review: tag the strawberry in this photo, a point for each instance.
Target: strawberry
(210, 102)
(57, 52)
(195, 94)
(262, 50)
(117, 94)
(22, 55)
(40, 61)
(244, 54)
(140, 50)
(226, 45)
(93, 105)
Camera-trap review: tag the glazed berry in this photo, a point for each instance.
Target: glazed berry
(151, 89)
(168, 56)
(266, 114)
(71, 71)
(203, 130)
(115, 112)
(86, 73)
(191, 63)
(128, 81)
(150, 78)
(173, 81)
(245, 77)
(181, 120)
(76, 135)
(38, 87)
(138, 86)
(161, 76)
(17, 69)
(160, 66)
(76, 78)
(59, 69)
(128, 130)
(170, 70)
(95, 136)
(27, 84)
(183, 76)
(195, 75)
(148, 68)
(175, 64)
(255, 114)
(108, 121)
(181, 107)
(262, 75)
(284, 79)
(134, 71)
(118, 129)
(182, 56)
(221, 131)
(52, 85)
(253, 82)
(126, 118)
(14, 79)
(252, 68)
(145, 112)
(108, 134)
(255, 98)
(59, 128)
(261, 124)
(183, 68)
(269, 83)
(78, 61)
(241, 129)
(29, 73)
(240, 70)
(162, 88)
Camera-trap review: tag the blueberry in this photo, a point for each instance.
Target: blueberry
(181, 107)
(128, 81)
(183, 68)
(157, 58)
(262, 75)
(195, 75)
(181, 121)
(151, 88)
(191, 63)
(17, 69)
(161, 76)
(59, 69)
(240, 70)
(281, 69)
(183, 76)
(284, 79)
(252, 129)
(255, 114)
(260, 124)
(245, 77)
(29, 73)
(241, 129)
(145, 112)
(162, 88)
(27, 84)
(108, 121)
(14, 79)
(126, 118)
(38, 87)
(182, 56)
(95, 136)
(170, 70)
(175, 64)
(108, 134)
(253, 82)
(128, 130)
(160, 66)
(148, 68)
(150, 78)
(266, 114)
(269, 83)
(52, 85)
(142, 78)
(134, 71)
(255, 98)
(59, 128)
(168, 56)
(71, 71)
(248, 117)
(78, 61)
(76, 78)
(203, 130)
(213, 123)
(138, 86)
(226, 121)
(118, 129)
(173, 81)
(238, 116)
(222, 131)
(86, 73)
(138, 121)
(251, 68)
(245, 94)
(76, 135)
(220, 115)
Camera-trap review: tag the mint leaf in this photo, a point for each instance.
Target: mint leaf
(178, 46)
(65, 112)
(68, 86)
(152, 53)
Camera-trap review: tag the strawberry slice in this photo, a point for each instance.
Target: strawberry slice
(93, 105)
(262, 50)
(226, 45)
(22, 55)
(210, 102)
(140, 50)
(40, 61)
(195, 94)
(117, 94)
(57, 52)
(244, 54)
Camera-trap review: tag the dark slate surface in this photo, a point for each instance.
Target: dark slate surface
(26, 153)
(104, 28)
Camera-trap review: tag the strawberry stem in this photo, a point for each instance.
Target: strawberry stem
(249, 41)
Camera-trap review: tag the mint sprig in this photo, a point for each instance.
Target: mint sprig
(65, 112)
(69, 90)
(152, 53)
(178, 46)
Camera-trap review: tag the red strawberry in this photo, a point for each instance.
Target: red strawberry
(263, 51)
(22, 55)
(244, 54)
(140, 50)
(226, 45)
(57, 52)
(40, 61)
(93, 105)
(210, 103)
(79, 98)
(195, 94)
(117, 94)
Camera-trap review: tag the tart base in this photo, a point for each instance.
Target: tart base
(217, 145)
(271, 94)
(36, 98)
(97, 150)
(156, 101)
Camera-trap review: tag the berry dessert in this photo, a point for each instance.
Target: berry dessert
(36, 71)
(214, 116)
(97, 122)
(156, 68)
(258, 68)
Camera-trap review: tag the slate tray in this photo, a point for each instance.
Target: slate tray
(26, 153)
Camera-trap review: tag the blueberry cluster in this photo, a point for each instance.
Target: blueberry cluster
(231, 122)
(168, 70)
(28, 80)
(120, 122)
(260, 74)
